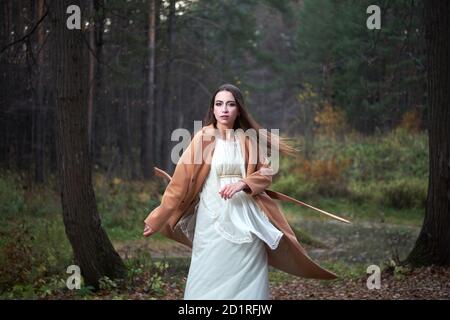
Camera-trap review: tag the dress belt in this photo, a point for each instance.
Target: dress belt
(229, 175)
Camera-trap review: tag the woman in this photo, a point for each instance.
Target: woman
(221, 209)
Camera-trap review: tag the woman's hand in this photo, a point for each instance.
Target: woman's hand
(148, 231)
(230, 189)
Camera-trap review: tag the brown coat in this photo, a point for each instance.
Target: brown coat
(182, 195)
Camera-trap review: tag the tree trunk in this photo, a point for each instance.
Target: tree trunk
(38, 119)
(99, 18)
(307, 110)
(147, 125)
(167, 111)
(91, 77)
(125, 135)
(159, 122)
(433, 243)
(92, 248)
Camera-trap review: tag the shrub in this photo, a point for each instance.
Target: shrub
(12, 200)
(33, 251)
(16, 257)
(404, 193)
(293, 185)
(330, 121)
(326, 174)
(411, 121)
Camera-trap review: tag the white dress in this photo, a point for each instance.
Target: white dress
(229, 258)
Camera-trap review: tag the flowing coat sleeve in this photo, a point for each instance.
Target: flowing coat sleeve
(176, 190)
(260, 179)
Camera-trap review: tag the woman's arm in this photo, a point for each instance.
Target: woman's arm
(231, 189)
(259, 180)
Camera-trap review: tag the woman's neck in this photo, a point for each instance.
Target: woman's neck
(224, 132)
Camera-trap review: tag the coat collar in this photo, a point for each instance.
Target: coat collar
(247, 145)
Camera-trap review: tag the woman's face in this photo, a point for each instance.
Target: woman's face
(226, 109)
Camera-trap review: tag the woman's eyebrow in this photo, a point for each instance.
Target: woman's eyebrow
(227, 101)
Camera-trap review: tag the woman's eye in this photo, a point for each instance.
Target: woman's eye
(231, 104)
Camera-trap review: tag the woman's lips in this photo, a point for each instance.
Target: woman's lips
(224, 117)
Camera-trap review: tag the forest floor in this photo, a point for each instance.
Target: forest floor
(419, 283)
(157, 267)
(349, 250)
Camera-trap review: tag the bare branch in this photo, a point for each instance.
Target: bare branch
(27, 35)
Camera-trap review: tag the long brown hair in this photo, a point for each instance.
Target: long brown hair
(245, 121)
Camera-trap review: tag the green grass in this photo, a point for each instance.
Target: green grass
(343, 270)
(355, 212)
(277, 277)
